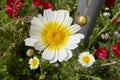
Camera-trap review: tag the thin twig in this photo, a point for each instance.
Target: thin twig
(107, 64)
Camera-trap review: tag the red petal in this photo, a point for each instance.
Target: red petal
(116, 49)
(109, 3)
(47, 5)
(37, 2)
(118, 21)
(12, 7)
(101, 53)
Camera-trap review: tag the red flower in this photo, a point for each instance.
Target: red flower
(109, 3)
(12, 7)
(118, 21)
(47, 5)
(101, 53)
(37, 2)
(10, 12)
(116, 49)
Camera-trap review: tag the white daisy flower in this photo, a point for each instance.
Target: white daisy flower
(53, 34)
(86, 59)
(106, 14)
(34, 62)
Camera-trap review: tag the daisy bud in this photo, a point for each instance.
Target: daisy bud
(106, 9)
(30, 52)
(74, 7)
(116, 34)
(106, 14)
(104, 36)
(41, 77)
(67, 7)
(20, 59)
(56, 65)
(81, 20)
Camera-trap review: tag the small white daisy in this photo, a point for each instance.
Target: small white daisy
(86, 59)
(53, 34)
(34, 62)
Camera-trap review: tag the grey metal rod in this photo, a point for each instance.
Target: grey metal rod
(92, 12)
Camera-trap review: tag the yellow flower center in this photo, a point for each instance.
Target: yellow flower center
(86, 59)
(55, 35)
(34, 62)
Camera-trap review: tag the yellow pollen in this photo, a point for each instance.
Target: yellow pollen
(86, 59)
(34, 62)
(55, 35)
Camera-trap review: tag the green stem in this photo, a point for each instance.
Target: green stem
(41, 67)
(102, 30)
(97, 36)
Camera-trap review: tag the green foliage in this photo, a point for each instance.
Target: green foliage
(14, 62)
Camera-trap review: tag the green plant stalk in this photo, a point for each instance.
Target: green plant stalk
(102, 30)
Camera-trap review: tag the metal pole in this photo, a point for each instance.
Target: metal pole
(92, 12)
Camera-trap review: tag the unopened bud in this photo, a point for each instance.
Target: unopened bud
(67, 7)
(30, 52)
(41, 77)
(104, 36)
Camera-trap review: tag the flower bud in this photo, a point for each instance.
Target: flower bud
(67, 7)
(56, 65)
(41, 77)
(104, 36)
(116, 34)
(81, 20)
(30, 52)
(106, 14)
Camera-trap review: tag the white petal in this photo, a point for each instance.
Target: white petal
(35, 33)
(73, 41)
(42, 19)
(74, 28)
(37, 22)
(68, 20)
(69, 54)
(48, 54)
(38, 45)
(55, 57)
(62, 54)
(31, 67)
(59, 15)
(30, 61)
(71, 46)
(36, 27)
(30, 41)
(48, 15)
(55, 13)
(76, 38)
